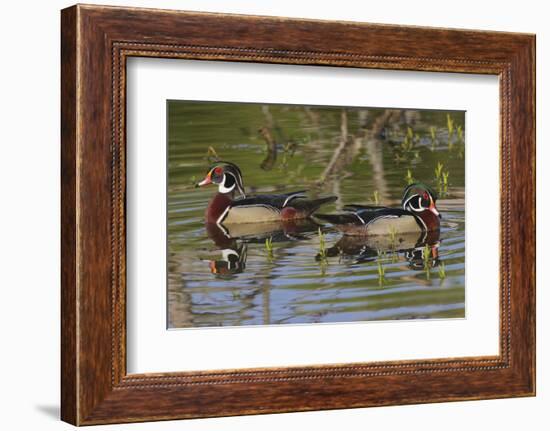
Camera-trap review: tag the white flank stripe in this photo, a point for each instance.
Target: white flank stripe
(222, 217)
(359, 217)
(289, 198)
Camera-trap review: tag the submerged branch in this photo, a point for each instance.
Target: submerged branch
(345, 152)
(271, 149)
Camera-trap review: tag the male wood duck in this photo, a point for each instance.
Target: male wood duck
(224, 209)
(418, 214)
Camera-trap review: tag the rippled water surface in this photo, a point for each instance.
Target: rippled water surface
(362, 156)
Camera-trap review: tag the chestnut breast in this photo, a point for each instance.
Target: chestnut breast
(217, 205)
(430, 219)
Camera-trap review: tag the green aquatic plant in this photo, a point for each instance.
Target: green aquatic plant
(445, 179)
(382, 255)
(410, 135)
(460, 134)
(450, 125)
(322, 256)
(381, 274)
(322, 246)
(376, 197)
(406, 151)
(461, 151)
(398, 157)
(450, 130)
(432, 133)
(438, 171)
(288, 152)
(442, 178)
(442, 272)
(409, 178)
(407, 144)
(269, 248)
(426, 256)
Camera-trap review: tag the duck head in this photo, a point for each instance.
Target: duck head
(418, 198)
(232, 261)
(227, 176)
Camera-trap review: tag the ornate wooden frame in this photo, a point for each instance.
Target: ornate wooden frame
(95, 42)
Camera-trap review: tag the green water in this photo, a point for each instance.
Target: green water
(351, 153)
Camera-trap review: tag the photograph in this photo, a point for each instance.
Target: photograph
(295, 214)
(299, 213)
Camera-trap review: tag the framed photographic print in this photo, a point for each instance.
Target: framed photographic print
(264, 214)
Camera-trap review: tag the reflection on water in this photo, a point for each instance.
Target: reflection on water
(275, 273)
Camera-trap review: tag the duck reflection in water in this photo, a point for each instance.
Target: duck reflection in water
(229, 256)
(361, 249)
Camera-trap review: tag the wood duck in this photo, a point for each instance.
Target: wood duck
(223, 209)
(418, 214)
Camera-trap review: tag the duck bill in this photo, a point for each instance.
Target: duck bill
(212, 265)
(206, 181)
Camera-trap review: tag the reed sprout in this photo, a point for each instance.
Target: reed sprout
(460, 134)
(380, 268)
(450, 125)
(376, 197)
(381, 274)
(322, 255)
(426, 256)
(450, 130)
(442, 272)
(322, 246)
(442, 178)
(438, 170)
(409, 178)
(407, 144)
(445, 178)
(269, 248)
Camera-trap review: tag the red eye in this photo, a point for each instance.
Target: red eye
(218, 170)
(425, 195)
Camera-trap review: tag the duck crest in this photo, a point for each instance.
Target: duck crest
(217, 206)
